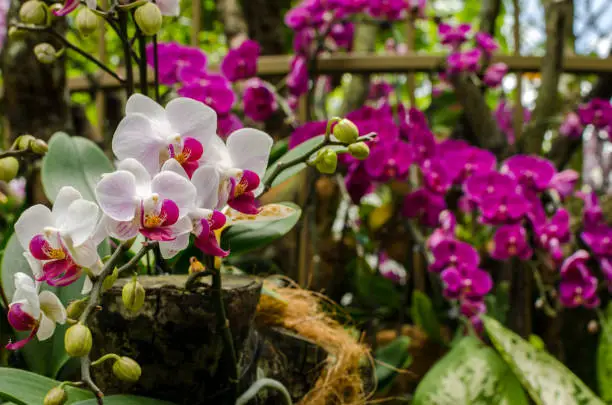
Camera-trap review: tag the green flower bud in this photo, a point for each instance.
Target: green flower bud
(127, 369)
(133, 295)
(34, 12)
(39, 146)
(56, 396)
(345, 131)
(148, 18)
(9, 167)
(326, 161)
(86, 21)
(17, 34)
(108, 282)
(45, 53)
(359, 150)
(78, 341)
(76, 308)
(23, 142)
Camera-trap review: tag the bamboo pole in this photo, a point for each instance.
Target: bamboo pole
(518, 101)
(196, 18)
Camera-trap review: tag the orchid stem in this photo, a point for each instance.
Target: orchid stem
(127, 53)
(142, 63)
(156, 68)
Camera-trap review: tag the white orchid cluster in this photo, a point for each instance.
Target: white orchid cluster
(174, 177)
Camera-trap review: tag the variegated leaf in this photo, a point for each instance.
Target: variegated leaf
(547, 380)
(604, 357)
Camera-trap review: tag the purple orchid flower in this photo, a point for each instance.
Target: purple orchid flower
(391, 270)
(483, 185)
(228, 123)
(424, 205)
(358, 182)
(343, 34)
(504, 116)
(532, 172)
(304, 16)
(463, 61)
(219, 98)
(466, 160)
(472, 309)
(572, 126)
(446, 230)
(511, 241)
(423, 144)
(297, 80)
(389, 160)
(437, 176)
(486, 43)
(506, 208)
(388, 10)
(205, 228)
(578, 286)
(241, 63)
(592, 212)
(172, 57)
(259, 101)
(306, 131)
(454, 253)
(380, 89)
(465, 282)
(597, 112)
(564, 182)
(453, 36)
(303, 41)
(599, 240)
(494, 74)
(552, 233)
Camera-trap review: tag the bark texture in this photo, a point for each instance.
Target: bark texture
(175, 340)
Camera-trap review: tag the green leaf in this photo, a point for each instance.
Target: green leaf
(471, 373)
(372, 289)
(243, 236)
(73, 161)
(26, 388)
(126, 400)
(604, 357)
(547, 380)
(424, 316)
(48, 357)
(499, 303)
(390, 358)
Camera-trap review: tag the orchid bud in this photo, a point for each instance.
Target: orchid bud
(9, 167)
(133, 295)
(345, 131)
(45, 53)
(39, 146)
(17, 34)
(359, 150)
(126, 369)
(86, 21)
(195, 266)
(34, 12)
(23, 142)
(76, 308)
(326, 161)
(148, 18)
(78, 340)
(55, 396)
(108, 282)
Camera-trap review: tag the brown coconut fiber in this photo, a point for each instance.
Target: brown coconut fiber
(301, 311)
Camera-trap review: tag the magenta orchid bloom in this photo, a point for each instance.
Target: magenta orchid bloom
(597, 112)
(465, 282)
(215, 95)
(389, 160)
(564, 182)
(173, 58)
(60, 240)
(448, 223)
(241, 63)
(259, 101)
(511, 241)
(486, 43)
(532, 172)
(151, 134)
(297, 80)
(389, 10)
(464, 61)
(454, 253)
(228, 123)
(468, 160)
(554, 232)
(494, 74)
(505, 208)
(157, 207)
(453, 36)
(71, 5)
(578, 287)
(572, 126)
(424, 205)
(488, 184)
(32, 311)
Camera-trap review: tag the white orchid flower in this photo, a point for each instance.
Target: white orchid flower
(33, 311)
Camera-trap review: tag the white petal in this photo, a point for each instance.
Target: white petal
(122, 230)
(45, 328)
(25, 290)
(92, 4)
(140, 104)
(206, 181)
(250, 149)
(170, 8)
(86, 254)
(191, 118)
(171, 248)
(35, 265)
(66, 196)
(136, 138)
(142, 176)
(116, 193)
(52, 307)
(87, 286)
(31, 223)
(81, 221)
(171, 165)
(101, 231)
(172, 186)
(217, 154)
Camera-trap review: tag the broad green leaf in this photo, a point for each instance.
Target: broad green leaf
(73, 161)
(249, 232)
(471, 373)
(48, 357)
(26, 388)
(126, 400)
(604, 357)
(424, 316)
(389, 359)
(373, 290)
(547, 380)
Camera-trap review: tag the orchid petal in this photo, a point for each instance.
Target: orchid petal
(115, 193)
(172, 165)
(141, 104)
(122, 230)
(25, 289)
(66, 196)
(86, 254)
(35, 265)
(52, 307)
(135, 137)
(81, 222)
(92, 4)
(217, 154)
(192, 118)
(87, 286)
(169, 249)
(172, 186)
(206, 181)
(31, 223)
(142, 176)
(46, 328)
(69, 6)
(250, 149)
(169, 8)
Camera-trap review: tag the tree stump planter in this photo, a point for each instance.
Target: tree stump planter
(175, 340)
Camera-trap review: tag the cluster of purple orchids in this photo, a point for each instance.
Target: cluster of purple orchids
(597, 112)
(174, 177)
(186, 67)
